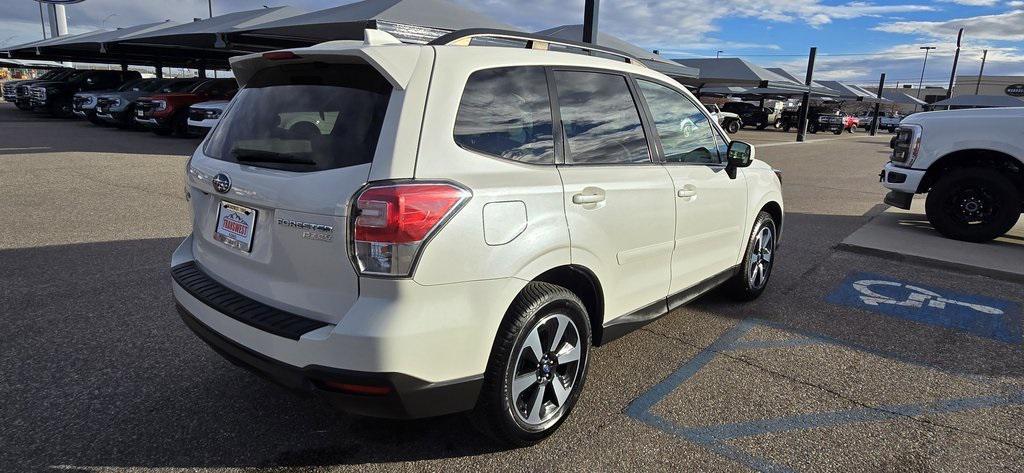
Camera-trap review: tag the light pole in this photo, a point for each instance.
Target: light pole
(719, 54)
(927, 49)
(981, 73)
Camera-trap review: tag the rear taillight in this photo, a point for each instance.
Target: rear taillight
(393, 222)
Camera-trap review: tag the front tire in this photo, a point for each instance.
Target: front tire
(537, 368)
(973, 204)
(758, 261)
(732, 127)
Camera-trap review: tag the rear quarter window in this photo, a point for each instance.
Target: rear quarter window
(506, 113)
(304, 117)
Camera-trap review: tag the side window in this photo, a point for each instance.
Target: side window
(686, 135)
(506, 112)
(600, 120)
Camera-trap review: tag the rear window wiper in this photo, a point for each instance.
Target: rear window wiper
(261, 156)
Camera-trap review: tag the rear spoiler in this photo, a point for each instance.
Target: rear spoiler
(380, 50)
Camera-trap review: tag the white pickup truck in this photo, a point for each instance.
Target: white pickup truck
(971, 165)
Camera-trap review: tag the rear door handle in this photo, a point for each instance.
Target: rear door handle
(687, 193)
(590, 197)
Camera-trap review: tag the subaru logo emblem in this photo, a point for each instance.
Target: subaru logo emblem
(221, 183)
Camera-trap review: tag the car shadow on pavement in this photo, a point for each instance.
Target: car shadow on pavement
(99, 371)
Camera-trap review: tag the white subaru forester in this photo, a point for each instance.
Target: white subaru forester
(416, 230)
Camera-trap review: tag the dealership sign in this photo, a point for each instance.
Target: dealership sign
(1015, 90)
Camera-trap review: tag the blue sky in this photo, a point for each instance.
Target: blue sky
(856, 40)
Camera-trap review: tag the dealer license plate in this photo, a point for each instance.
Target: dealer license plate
(235, 226)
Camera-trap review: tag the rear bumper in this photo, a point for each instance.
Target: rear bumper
(396, 396)
(430, 346)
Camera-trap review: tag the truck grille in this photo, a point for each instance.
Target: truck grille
(146, 107)
(78, 102)
(104, 104)
(10, 92)
(39, 94)
(23, 91)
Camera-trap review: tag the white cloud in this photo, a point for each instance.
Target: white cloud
(1000, 27)
(973, 3)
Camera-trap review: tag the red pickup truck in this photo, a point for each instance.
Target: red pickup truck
(168, 113)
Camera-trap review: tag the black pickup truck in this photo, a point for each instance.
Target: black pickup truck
(54, 97)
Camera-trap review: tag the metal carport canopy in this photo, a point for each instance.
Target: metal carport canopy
(716, 72)
(685, 74)
(816, 88)
(760, 92)
(851, 92)
(34, 49)
(903, 99)
(100, 47)
(203, 39)
(412, 21)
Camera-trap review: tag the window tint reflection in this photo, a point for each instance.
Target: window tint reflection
(600, 119)
(684, 130)
(506, 112)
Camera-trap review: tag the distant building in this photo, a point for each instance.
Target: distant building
(989, 85)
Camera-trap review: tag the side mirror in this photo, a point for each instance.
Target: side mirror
(739, 155)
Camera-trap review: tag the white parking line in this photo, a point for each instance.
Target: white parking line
(823, 140)
(25, 149)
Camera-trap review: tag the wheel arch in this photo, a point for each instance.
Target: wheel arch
(585, 284)
(975, 157)
(775, 210)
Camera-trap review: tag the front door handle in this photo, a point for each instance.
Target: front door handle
(687, 193)
(587, 198)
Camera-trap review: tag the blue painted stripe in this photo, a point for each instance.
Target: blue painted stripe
(646, 401)
(714, 445)
(828, 419)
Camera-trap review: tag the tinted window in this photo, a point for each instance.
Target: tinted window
(304, 117)
(685, 133)
(600, 121)
(506, 112)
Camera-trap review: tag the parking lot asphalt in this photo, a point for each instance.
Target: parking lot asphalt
(97, 372)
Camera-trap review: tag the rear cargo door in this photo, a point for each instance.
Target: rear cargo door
(270, 188)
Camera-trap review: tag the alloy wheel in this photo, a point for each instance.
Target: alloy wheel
(761, 257)
(545, 371)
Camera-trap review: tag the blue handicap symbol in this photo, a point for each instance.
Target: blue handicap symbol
(983, 316)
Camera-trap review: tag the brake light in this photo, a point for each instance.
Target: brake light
(280, 55)
(393, 221)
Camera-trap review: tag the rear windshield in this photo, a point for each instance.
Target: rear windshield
(304, 117)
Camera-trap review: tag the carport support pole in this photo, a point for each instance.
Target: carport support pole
(805, 105)
(956, 59)
(878, 106)
(590, 12)
(159, 71)
(202, 69)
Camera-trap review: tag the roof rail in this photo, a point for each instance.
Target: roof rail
(533, 41)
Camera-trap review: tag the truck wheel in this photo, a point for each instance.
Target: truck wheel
(787, 127)
(537, 367)
(756, 268)
(22, 106)
(180, 124)
(852, 129)
(777, 124)
(732, 127)
(762, 126)
(973, 204)
(838, 131)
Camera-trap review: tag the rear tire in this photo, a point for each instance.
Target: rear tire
(758, 261)
(525, 399)
(973, 204)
